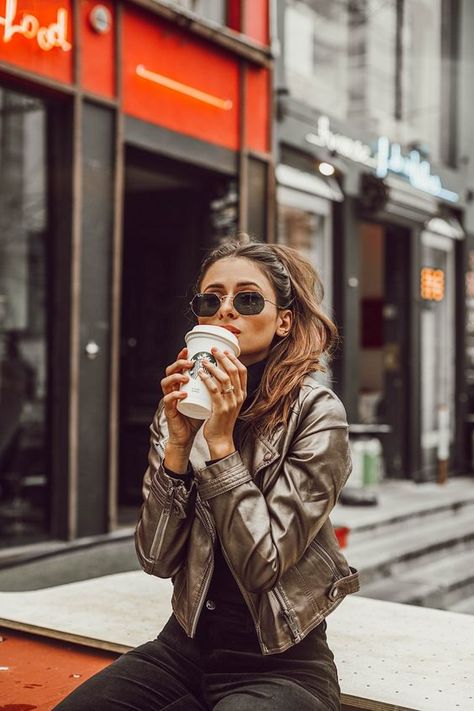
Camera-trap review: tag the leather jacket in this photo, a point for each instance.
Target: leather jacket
(269, 505)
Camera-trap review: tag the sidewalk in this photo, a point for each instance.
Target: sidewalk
(399, 499)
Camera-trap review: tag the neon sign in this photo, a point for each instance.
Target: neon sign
(432, 284)
(347, 147)
(218, 103)
(54, 35)
(387, 158)
(418, 171)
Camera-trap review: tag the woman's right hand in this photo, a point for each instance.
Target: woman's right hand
(182, 429)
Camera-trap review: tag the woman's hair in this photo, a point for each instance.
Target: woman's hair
(298, 287)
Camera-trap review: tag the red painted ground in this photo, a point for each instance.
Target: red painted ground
(37, 672)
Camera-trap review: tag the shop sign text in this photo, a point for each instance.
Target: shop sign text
(29, 27)
(387, 158)
(432, 284)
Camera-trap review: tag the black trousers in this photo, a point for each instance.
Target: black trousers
(222, 668)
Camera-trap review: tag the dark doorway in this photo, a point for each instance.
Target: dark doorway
(384, 341)
(168, 224)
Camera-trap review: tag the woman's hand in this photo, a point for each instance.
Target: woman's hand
(228, 388)
(182, 429)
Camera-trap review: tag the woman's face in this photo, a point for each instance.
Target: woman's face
(255, 333)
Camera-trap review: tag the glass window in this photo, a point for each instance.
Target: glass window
(316, 54)
(303, 230)
(214, 10)
(257, 198)
(23, 317)
(437, 350)
(376, 71)
(304, 227)
(421, 75)
(378, 65)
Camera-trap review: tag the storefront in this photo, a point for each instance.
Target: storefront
(368, 97)
(397, 245)
(122, 157)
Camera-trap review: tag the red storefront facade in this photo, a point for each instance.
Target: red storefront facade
(133, 135)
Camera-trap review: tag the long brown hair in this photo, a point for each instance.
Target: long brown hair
(297, 286)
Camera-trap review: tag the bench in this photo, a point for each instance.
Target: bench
(390, 657)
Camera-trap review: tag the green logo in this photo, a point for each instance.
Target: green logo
(198, 358)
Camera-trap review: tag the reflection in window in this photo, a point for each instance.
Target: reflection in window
(303, 231)
(421, 103)
(23, 327)
(437, 352)
(377, 64)
(316, 54)
(214, 10)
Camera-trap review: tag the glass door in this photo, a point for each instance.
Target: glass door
(24, 478)
(437, 351)
(305, 223)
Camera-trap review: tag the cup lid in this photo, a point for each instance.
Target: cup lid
(216, 332)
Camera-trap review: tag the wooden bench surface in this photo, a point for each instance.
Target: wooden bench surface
(390, 657)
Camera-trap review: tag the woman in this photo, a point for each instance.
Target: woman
(236, 510)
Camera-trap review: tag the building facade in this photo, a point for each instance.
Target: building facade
(133, 135)
(372, 149)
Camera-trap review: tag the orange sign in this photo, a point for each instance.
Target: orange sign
(29, 26)
(432, 284)
(36, 36)
(179, 81)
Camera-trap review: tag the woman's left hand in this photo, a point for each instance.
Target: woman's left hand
(228, 389)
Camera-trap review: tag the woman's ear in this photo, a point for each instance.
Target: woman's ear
(285, 319)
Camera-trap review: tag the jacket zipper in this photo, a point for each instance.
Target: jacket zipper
(328, 558)
(287, 613)
(157, 542)
(211, 530)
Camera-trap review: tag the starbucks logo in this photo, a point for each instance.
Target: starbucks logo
(198, 358)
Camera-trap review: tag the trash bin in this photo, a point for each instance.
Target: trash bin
(367, 471)
(367, 462)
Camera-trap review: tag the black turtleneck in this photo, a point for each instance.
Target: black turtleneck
(223, 588)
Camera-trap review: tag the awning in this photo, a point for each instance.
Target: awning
(310, 183)
(446, 227)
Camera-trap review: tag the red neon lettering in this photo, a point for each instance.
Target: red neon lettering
(54, 35)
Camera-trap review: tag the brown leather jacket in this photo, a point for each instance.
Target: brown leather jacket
(269, 504)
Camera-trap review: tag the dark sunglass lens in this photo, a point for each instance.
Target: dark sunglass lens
(249, 302)
(205, 304)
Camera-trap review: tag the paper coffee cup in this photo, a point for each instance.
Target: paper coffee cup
(199, 341)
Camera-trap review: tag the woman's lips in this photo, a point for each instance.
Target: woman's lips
(232, 329)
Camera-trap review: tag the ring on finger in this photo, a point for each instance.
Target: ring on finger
(229, 389)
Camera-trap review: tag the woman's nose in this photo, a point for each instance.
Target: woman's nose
(227, 306)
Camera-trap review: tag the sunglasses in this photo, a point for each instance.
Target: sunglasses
(247, 303)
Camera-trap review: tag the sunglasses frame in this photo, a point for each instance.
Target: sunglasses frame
(223, 297)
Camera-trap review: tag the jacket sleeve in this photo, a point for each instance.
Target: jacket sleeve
(167, 513)
(264, 536)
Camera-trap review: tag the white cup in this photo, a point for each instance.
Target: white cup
(199, 341)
